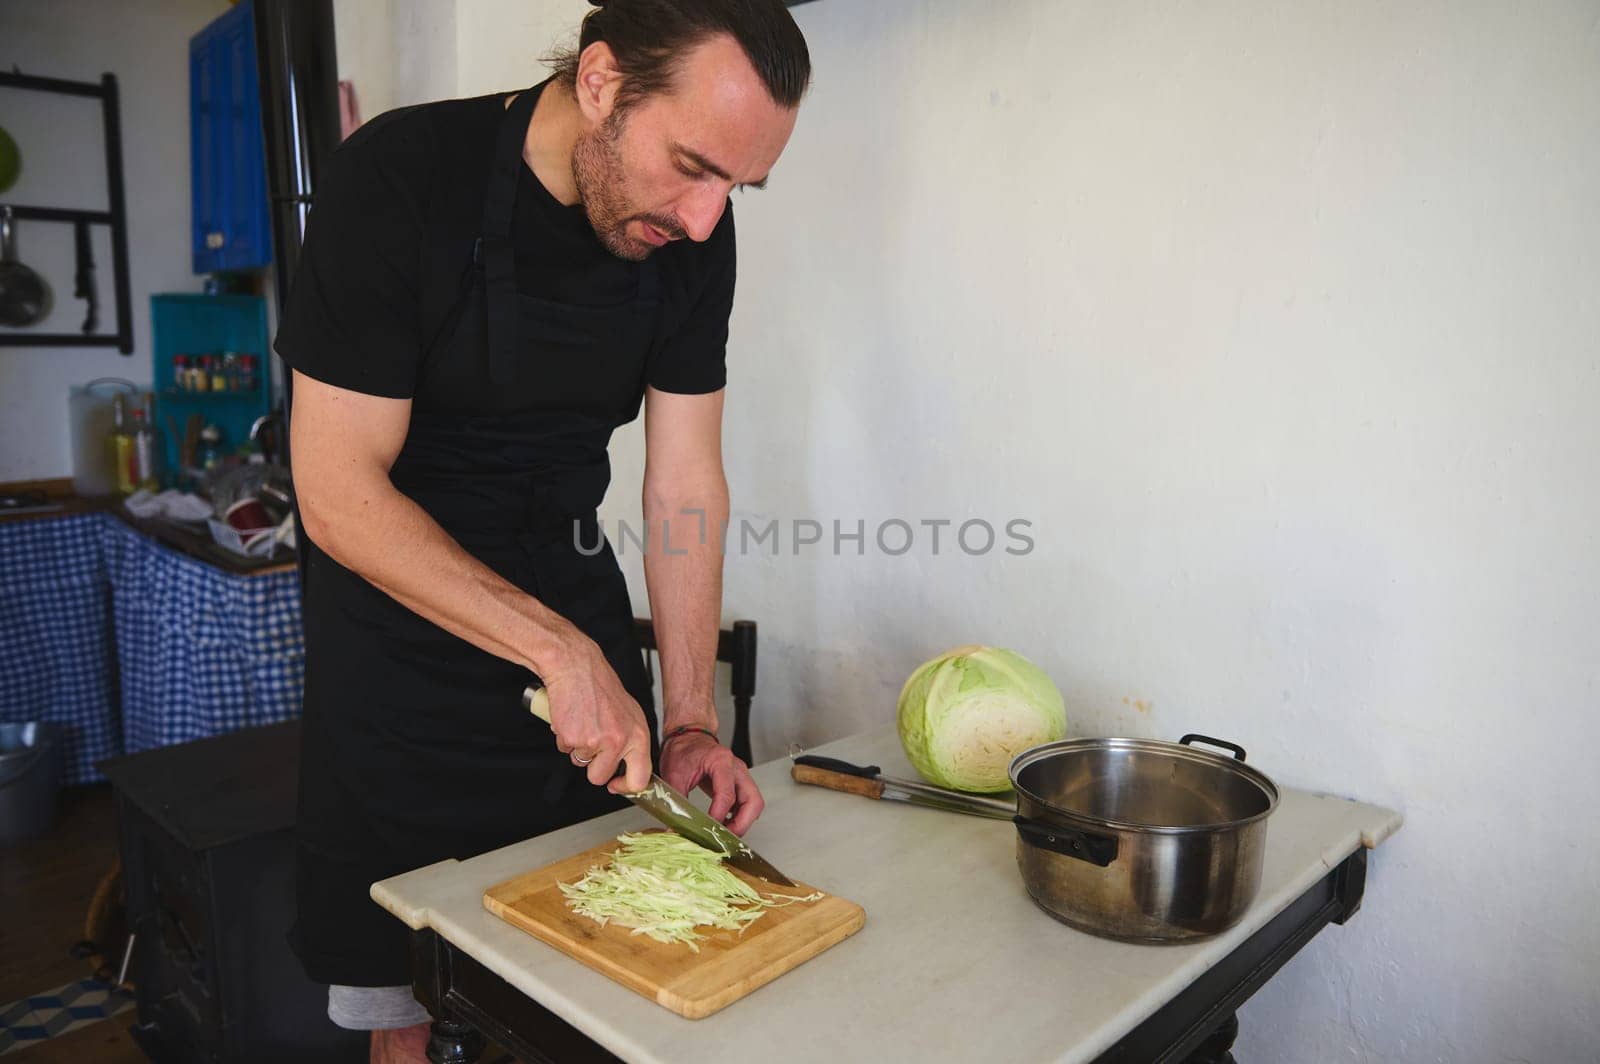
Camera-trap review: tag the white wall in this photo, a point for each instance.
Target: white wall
(364, 40)
(401, 52)
(147, 46)
(1278, 321)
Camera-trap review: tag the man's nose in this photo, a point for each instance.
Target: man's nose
(700, 213)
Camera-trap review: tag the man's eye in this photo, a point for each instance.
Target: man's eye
(689, 171)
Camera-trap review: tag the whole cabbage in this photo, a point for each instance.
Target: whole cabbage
(964, 715)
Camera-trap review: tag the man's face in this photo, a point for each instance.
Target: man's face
(662, 170)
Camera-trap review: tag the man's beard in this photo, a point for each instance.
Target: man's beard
(598, 172)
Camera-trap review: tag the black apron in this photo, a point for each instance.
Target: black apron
(415, 748)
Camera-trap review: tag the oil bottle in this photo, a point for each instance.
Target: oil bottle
(146, 464)
(120, 443)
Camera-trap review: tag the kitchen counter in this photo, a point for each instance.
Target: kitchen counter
(955, 962)
(194, 542)
(128, 643)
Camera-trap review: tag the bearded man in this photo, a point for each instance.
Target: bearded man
(488, 288)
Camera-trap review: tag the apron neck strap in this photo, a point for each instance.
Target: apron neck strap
(494, 243)
(499, 261)
(500, 199)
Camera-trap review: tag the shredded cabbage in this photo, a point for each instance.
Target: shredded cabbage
(663, 885)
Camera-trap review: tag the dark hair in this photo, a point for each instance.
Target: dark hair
(651, 37)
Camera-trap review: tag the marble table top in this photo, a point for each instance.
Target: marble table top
(955, 962)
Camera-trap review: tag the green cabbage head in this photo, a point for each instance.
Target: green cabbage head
(964, 715)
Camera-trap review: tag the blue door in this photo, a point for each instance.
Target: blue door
(227, 158)
(203, 164)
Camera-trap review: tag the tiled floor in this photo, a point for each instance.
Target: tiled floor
(51, 880)
(28, 1021)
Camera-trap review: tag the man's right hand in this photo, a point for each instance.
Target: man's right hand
(596, 722)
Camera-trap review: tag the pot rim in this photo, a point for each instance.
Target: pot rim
(1060, 747)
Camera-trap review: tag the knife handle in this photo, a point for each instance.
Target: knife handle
(536, 700)
(818, 772)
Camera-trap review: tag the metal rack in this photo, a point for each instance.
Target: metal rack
(117, 217)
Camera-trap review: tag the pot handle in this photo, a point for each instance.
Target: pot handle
(1235, 748)
(1069, 842)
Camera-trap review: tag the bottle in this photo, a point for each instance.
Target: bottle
(143, 466)
(221, 368)
(247, 373)
(210, 447)
(158, 442)
(120, 444)
(200, 376)
(180, 372)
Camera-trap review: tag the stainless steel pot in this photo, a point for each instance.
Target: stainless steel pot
(1141, 839)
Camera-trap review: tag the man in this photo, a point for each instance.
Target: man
(488, 288)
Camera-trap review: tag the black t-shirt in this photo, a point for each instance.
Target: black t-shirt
(397, 211)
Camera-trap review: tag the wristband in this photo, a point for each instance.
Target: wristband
(685, 730)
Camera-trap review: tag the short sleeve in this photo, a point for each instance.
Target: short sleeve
(693, 359)
(352, 317)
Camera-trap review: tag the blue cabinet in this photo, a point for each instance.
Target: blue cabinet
(227, 159)
(196, 325)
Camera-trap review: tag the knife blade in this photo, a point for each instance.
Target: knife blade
(671, 807)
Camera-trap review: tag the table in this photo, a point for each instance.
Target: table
(129, 643)
(955, 962)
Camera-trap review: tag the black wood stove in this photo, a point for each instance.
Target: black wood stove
(207, 854)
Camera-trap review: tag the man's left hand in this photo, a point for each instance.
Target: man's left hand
(695, 759)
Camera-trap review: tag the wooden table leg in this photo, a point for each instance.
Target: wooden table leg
(1215, 1049)
(453, 1042)
(456, 988)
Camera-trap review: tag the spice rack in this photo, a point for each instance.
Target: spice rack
(193, 323)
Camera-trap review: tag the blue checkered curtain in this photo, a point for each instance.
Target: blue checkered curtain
(200, 651)
(55, 636)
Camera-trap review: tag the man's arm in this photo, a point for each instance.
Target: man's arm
(344, 444)
(685, 509)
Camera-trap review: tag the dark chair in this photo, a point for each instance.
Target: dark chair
(737, 647)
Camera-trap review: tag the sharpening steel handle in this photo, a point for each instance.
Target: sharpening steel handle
(836, 781)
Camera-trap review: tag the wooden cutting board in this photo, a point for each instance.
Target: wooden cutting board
(694, 985)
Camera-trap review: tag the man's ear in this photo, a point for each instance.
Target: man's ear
(598, 82)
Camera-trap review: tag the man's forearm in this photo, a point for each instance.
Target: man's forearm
(683, 572)
(385, 537)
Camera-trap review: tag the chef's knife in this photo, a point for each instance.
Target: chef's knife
(868, 782)
(668, 805)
